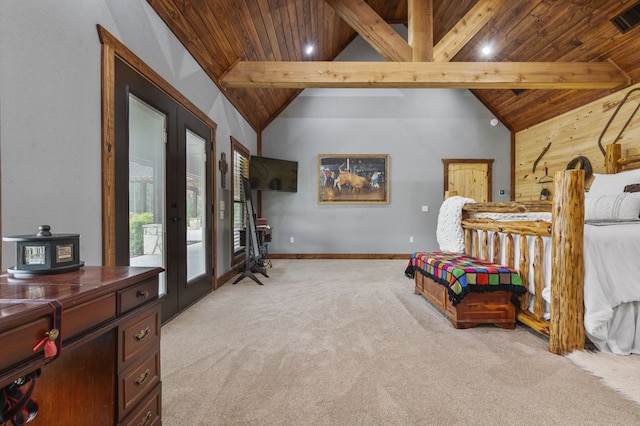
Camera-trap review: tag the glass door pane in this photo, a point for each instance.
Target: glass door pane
(146, 186)
(196, 196)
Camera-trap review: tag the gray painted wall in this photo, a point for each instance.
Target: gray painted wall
(50, 112)
(50, 135)
(417, 128)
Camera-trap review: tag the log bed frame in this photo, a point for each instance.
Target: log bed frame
(565, 327)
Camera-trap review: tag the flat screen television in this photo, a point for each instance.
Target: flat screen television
(270, 174)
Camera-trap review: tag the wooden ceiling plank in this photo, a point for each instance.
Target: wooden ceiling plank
(277, 29)
(420, 22)
(446, 14)
(468, 75)
(597, 40)
(326, 19)
(222, 46)
(247, 30)
(549, 30)
(303, 20)
(373, 29)
(292, 12)
(503, 32)
(286, 27)
(264, 28)
(310, 22)
(173, 18)
(466, 29)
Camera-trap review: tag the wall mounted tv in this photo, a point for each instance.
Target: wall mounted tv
(270, 174)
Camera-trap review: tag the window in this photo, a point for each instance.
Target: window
(239, 169)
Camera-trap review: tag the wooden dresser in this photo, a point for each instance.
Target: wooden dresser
(108, 372)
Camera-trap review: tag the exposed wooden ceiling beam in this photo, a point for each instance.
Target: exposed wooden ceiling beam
(465, 29)
(420, 20)
(373, 29)
(392, 47)
(464, 75)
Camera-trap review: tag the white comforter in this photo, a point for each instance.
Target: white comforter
(612, 287)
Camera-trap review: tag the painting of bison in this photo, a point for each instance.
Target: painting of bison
(353, 179)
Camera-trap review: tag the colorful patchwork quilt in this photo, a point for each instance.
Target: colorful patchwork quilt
(462, 274)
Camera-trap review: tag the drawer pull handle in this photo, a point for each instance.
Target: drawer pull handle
(143, 293)
(146, 419)
(143, 377)
(143, 333)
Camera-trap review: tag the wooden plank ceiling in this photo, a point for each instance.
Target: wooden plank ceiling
(237, 42)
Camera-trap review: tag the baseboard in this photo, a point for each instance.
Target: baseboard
(339, 256)
(228, 275)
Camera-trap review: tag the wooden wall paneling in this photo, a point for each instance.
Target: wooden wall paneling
(573, 134)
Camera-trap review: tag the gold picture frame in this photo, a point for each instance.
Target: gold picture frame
(353, 179)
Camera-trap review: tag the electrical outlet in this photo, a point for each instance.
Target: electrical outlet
(291, 240)
(425, 209)
(411, 239)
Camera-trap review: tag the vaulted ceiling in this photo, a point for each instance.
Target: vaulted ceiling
(549, 56)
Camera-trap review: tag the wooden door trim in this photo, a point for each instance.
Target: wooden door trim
(112, 48)
(488, 161)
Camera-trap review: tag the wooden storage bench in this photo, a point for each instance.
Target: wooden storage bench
(468, 291)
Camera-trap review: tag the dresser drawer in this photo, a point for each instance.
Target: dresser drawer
(136, 295)
(76, 318)
(148, 412)
(17, 342)
(135, 383)
(138, 334)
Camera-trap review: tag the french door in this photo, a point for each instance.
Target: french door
(163, 157)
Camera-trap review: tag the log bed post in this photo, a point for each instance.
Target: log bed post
(567, 263)
(613, 154)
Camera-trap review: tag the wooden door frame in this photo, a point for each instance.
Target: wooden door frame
(488, 161)
(112, 48)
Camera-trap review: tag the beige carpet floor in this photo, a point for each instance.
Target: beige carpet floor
(347, 342)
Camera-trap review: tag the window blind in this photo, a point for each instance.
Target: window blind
(240, 169)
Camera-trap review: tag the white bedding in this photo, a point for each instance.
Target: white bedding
(612, 287)
(611, 284)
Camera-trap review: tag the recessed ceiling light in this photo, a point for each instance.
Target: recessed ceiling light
(309, 49)
(487, 50)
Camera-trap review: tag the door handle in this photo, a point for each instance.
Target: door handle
(175, 219)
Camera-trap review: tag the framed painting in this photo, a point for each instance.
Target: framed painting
(353, 179)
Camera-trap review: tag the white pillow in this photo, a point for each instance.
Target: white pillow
(604, 184)
(623, 206)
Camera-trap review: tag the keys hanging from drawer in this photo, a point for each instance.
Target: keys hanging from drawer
(49, 341)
